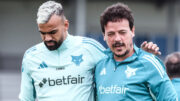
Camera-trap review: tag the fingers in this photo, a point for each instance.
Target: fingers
(150, 47)
(158, 53)
(156, 48)
(143, 44)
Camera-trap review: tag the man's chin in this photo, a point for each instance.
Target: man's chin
(51, 48)
(120, 54)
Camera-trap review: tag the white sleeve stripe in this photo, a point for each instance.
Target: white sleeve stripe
(95, 43)
(161, 68)
(102, 50)
(152, 95)
(157, 62)
(154, 65)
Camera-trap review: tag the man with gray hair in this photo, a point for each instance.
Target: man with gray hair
(61, 67)
(172, 63)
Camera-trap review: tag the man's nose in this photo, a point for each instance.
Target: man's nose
(47, 37)
(118, 37)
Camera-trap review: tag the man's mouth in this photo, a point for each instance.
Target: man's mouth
(118, 45)
(50, 43)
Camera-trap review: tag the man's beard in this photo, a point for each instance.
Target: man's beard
(55, 46)
(119, 44)
(122, 55)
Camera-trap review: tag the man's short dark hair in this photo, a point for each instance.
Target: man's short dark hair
(172, 63)
(116, 13)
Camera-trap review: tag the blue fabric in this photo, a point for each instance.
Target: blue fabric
(65, 74)
(141, 77)
(176, 83)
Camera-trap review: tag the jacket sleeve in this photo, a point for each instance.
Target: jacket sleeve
(95, 49)
(158, 82)
(27, 91)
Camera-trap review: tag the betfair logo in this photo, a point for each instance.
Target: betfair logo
(113, 89)
(42, 65)
(62, 81)
(42, 82)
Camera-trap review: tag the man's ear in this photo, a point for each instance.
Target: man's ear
(104, 36)
(133, 31)
(66, 24)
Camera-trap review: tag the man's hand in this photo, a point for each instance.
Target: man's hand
(150, 47)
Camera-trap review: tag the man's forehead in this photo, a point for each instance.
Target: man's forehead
(117, 25)
(53, 23)
(54, 19)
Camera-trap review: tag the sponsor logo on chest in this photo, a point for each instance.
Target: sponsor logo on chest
(113, 89)
(130, 72)
(64, 80)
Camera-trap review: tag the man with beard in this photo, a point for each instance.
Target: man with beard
(61, 67)
(172, 63)
(128, 73)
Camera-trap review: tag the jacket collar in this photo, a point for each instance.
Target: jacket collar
(66, 43)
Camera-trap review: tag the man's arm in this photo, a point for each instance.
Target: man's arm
(95, 49)
(27, 92)
(150, 47)
(158, 82)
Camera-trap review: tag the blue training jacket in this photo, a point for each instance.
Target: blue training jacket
(65, 74)
(141, 77)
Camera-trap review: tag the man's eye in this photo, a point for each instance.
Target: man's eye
(110, 33)
(43, 33)
(53, 32)
(122, 32)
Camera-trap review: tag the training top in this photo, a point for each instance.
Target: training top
(176, 83)
(65, 74)
(140, 77)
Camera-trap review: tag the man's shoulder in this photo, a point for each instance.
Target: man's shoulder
(85, 40)
(36, 49)
(103, 61)
(92, 43)
(145, 56)
(87, 43)
(151, 62)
